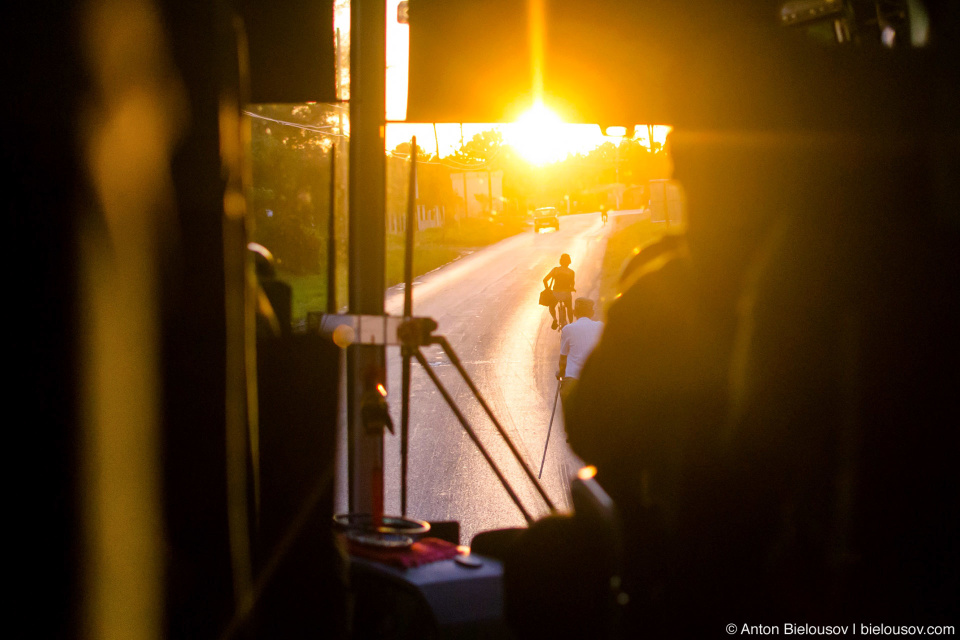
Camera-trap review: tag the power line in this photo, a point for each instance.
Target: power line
(325, 130)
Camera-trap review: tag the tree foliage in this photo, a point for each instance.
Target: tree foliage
(585, 181)
(292, 147)
(484, 147)
(291, 151)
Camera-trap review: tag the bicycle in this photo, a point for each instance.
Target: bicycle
(562, 278)
(564, 313)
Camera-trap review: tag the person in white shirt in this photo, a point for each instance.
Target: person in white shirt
(576, 342)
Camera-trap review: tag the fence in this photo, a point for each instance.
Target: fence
(426, 219)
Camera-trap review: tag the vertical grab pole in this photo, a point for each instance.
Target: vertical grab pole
(332, 236)
(407, 312)
(366, 363)
(550, 428)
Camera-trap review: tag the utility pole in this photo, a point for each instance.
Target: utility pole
(489, 191)
(340, 172)
(618, 173)
(466, 204)
(367, 240)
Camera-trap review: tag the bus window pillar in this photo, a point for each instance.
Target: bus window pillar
(367, 241)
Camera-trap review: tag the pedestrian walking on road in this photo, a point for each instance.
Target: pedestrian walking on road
(577, 340)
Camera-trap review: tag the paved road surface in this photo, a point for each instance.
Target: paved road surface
(486, 306)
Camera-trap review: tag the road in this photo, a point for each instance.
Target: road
(486, 306)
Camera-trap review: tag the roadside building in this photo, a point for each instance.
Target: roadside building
(481, 192)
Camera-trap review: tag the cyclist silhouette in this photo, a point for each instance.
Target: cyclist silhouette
(603, 215)
(560, 280)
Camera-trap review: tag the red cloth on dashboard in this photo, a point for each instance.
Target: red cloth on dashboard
(419, 553)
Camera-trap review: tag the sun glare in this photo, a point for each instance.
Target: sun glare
(538, 135)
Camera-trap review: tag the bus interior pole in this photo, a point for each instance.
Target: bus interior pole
(332, 236)
(367, 242)
(407, 313)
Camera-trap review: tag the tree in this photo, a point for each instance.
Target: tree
(290, 155)
(484, 147)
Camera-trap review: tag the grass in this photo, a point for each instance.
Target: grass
(621, 246)
(426, 257)
(310, 293)
(434, 248)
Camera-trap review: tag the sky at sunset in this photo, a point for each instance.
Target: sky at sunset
(538, 136)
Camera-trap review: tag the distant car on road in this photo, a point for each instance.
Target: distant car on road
(545, 217)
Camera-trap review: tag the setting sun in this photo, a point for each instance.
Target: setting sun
(538, 142)
(538, 135)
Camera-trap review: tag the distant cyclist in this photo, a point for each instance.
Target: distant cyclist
(603, 215)
(560, 280)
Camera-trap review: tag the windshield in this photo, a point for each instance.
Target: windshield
(484, 295)
(478, 267)
(479, 263)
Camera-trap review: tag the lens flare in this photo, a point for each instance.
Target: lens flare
(539, 135)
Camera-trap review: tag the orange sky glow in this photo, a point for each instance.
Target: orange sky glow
(539, 135)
